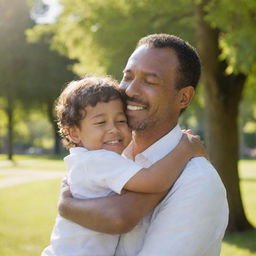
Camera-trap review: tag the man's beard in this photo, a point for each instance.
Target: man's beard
(141, 125)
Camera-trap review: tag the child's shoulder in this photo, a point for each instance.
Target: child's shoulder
(76, 151)
(102, 154)
(79, 152)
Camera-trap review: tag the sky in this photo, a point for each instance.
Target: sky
(54, 10)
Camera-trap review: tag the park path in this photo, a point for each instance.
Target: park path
(19, 176)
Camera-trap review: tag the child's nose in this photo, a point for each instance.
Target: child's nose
(113, 129)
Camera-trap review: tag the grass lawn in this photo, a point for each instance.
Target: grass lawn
(244, 244)
(32, 162)
(27, 213)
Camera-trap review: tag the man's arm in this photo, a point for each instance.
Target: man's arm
(114, 214)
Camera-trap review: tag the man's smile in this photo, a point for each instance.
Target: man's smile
(135, 108)
(136, 105)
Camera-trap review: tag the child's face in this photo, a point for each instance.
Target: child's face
(104, 127)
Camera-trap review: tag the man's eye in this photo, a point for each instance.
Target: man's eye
(149, 82)
(127, 78)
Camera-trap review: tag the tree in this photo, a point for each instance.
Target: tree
(87, 31)
(32, 75)
(14, 19)
(48, 73)
(223, 93)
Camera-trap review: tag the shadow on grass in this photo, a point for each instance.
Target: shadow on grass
(18, 157)
(33, 162)
(244, 240)
(49, 156)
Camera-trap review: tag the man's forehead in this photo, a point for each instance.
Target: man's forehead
(150, 60)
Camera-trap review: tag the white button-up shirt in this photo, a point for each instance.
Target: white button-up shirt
(92, 174)
(192, 218)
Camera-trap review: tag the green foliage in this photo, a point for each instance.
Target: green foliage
(88, 32)
(236, 20)
(31, 128)
(48, 72)
(34, 131)
(27, 71)
(3, 123)
(248, 111)
(32, 75)
(250, 93)
(14, 19)
(100, 35)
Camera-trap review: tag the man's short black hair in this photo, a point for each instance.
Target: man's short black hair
(189, 61)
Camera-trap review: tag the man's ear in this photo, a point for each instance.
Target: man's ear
(74, 134)
(186, 95)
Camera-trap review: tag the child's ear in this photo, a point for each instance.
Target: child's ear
(186, 95)
(74, 135)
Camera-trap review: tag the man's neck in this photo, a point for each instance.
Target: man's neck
(143, 139)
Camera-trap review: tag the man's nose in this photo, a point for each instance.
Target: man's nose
(131, 88)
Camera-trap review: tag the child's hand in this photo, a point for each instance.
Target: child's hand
(194, 145)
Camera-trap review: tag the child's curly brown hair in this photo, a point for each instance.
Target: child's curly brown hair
(71, 104)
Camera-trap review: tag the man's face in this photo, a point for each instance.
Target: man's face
(149, 83)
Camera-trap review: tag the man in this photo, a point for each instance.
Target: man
(159, 81)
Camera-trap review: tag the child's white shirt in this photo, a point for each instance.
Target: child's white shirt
(91, 174)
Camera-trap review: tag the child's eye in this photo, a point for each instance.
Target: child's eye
(99, 123)
(122, 121)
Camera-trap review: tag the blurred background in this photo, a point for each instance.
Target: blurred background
(45, 44)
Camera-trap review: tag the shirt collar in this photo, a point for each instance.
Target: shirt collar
(161, 147)
(77, 150)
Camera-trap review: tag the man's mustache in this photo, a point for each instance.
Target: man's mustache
(136, 100)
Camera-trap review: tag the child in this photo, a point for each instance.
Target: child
(92, 121)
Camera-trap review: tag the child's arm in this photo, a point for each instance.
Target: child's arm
(163, 174)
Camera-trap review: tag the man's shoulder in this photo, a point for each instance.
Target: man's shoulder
(198, 185)
(200, 173)
(200, 167)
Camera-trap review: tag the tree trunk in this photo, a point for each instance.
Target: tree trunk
(51, 117)
(9, 112)
(222, 97)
